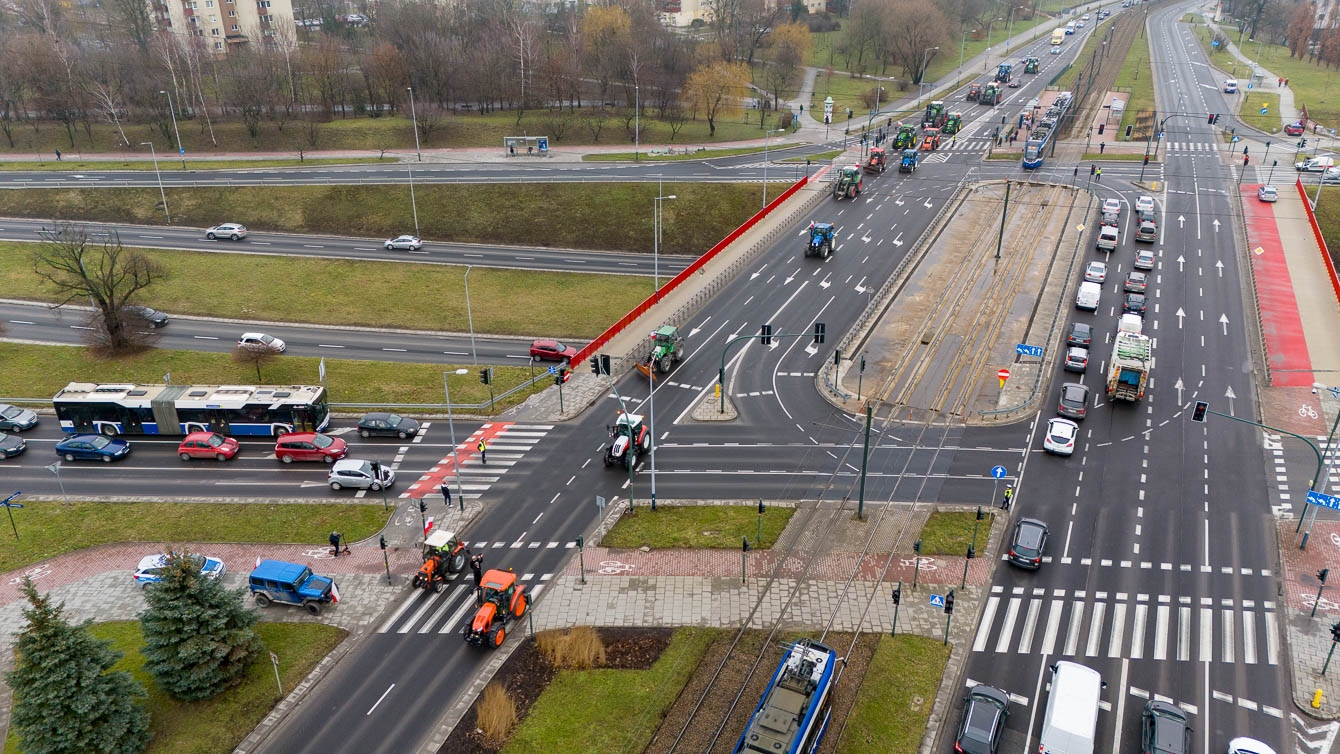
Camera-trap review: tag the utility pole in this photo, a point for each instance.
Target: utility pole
(1000, 239)
(865, 458)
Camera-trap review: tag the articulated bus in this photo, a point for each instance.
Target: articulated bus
(123, 409)
(1058, 37)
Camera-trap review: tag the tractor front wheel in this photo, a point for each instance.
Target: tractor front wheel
(631, 457)
(496, 638)
(439, 585)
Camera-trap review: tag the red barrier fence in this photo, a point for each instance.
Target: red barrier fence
(1321, 242)
(627, 319)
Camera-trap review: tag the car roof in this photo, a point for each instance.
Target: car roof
(1055, 421)
(1073, 386)
(151, 561)
(251, 335)
(990, 692)
(278, 570)
(350, 463)
(376, 415)
(1081, 326)
(299, 436)
(201, 435)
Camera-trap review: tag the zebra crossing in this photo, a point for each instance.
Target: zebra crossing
(506, 444)
(1195, 146)
(425, 612)
(1121, 625)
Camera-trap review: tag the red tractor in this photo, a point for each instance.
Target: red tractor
(443, 556)
(501, 600)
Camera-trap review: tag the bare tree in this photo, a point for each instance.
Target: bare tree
(104, 273)
(254, 356)
(134, 18)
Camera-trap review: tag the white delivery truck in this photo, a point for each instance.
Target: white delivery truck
(1071, 720)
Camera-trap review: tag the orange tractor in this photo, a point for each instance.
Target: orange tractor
(501, 600)
(443, 556)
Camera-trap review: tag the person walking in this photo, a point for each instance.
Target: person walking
(483, 448)
(1102, 146)
(57, 154)
(446, 492)
(1005, 503)
(335, 544)
(1099, 175)
(1092, 169)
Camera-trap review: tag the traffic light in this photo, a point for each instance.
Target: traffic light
(562, 376)
(600, 364)
(898, 596)
(1322, 574)
(581, 541)
(1335, 632)
(972, 551)
(1198, 413)
(744, 544)
(595, 365)
(1101, 126)
(1211, 118)
(949, 603)
(486, 376)
(818, 333)
(765, 335)
(837, 357)
(423, 506)
(980, 514)
(761, 507)
(1129, 131)
(917, 546)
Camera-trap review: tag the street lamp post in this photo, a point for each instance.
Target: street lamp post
(962, 43)
(55, 469)
(770, 132)
(656, 245)
(173, 111)
(986, 54)
(921, 85)
(474, 357)
(414, 116)
(1009, 30)
(413, 203)
(637, 122)
(161, 193)
(451, 429)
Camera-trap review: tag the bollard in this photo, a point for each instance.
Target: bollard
(1316, 699)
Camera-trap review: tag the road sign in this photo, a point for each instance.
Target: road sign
(998, 472)
(1214, 43)
(1160, 136)
(1003, 375)
(938, 600)
(600, 504)
(1335, 392)
(552, 370)
(1023, 349)
(181, 150)
(1249, 85)
(1265, 110)
(1324, 500)
(1235, 139)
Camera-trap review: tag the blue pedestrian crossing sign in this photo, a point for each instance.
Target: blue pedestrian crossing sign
(1023, 349)
(1324, 500)
(938, 600)
(552, 370)
(997, 472)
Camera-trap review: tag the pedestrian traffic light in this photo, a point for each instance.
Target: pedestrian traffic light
(744, 544)
(1335, 632)
(1322, 574)
(580, 541)
(818, 333)
(1129, 130)
(562, 376)
(1211, 118)
(898, 596)
(1198, 413)
(972, 551)
(917, 546)
(980, 514)
(949, 603)
(486, 376)
(423, 506)
(761, 507)
(383, 537)
(1101, 126)
(765, 335)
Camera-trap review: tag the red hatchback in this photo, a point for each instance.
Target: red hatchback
(1295, 129)
(551, 350)
(207, 445)
(310, 446)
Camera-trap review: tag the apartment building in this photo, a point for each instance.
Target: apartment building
(223, 23)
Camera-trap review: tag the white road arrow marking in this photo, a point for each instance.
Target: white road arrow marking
(760, 272)
(825, 283)
(1223, 320)
(1220, 266)
(896, 242)
(1181, 262)
(1231, 397)
(789, 278)
(1180, 387)
(927, 205)
(1181, 222)
(1180, 315)
(700, 326)
(1216, 226)
(1327, 731)
(898, 202)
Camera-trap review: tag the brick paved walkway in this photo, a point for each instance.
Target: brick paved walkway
(1309, 638)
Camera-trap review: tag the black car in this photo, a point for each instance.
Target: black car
(387, 425)
(11, 445)
(1080, 335)
(1136, 282)
(984, 712)
(1074, 401)
(1134, 303)
(1030, 539)
(15, 418)
(1165, 730)
(151, 317)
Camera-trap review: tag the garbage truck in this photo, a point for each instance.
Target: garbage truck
(1128, 372)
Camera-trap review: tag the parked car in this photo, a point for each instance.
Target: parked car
(150, 569)
(261, 342)
(1164, 729)
(310, 446)
(1136, 282)
(1096, 272)
(357, 474)
(15, 418)
(1133, 303)
(404, 243)
(1080, 335)
(1076, 359)
(1268, 193)
(1074, 398)
(1060, 437)
(153, 317)
(384, 424)
(11, 445)
(984, 711)
(92, 448)
(1112, 205)
(207, 445)
(230, 231)
(1295, 129)
(1144, 260)
(1244, 745)
(291, 584)
(1029, 541)
(551, 350)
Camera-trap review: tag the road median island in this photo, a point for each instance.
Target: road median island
(715, 525)
(945, 323)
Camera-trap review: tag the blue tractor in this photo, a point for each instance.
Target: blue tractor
(821, 240)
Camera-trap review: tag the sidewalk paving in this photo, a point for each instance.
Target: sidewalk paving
(1288, 111)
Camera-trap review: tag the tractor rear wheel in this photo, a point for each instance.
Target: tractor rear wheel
(457, 563)
(496, 638)
(522, 604)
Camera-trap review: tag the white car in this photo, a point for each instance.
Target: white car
(1096, 272)
(1246, 745)
(357, 474)
(1080, 24)
(1144, 260)
(1144, 203)
(1085, 17)
(230, 231)
(409, 243)
(1112, 205)
(1268, 193)
(1060, 437)
(1056, 49)
(261, 341)
(150, 569)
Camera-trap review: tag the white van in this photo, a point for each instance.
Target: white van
(1131, 323)
(1088, 296)
(1072, 710)
(1231, 86)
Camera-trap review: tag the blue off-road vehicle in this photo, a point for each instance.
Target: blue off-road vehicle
(291, 584)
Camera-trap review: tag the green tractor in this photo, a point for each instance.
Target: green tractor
(821, 240)
(906, 138)
(848, 183)
(1032, 65)
(953, 124)
(666, 348)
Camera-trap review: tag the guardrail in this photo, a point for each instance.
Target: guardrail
(1321, 241)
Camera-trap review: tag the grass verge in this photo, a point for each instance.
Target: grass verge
(605, 216)
(72, 165)
(219, 724)
(1312, 83)
(1250, 113)
(994, 155)
(1328, 217)
(702, 154)
(895, 699)
(697, 527)
(1066, 81)
(1136, 78)
(610, 710)
(49, 529)
(39, 371)
(950, 532)
(429, 297)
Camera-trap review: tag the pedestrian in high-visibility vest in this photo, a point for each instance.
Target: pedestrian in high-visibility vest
(483, 448)
(1005, 504)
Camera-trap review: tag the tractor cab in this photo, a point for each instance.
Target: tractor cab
(821, 240)
(974, 92)
(443, 555)
(909, 161)
(666, 348)
(849, 183)
(930, 141)
(1003, 73)
(935, 115)
(953, 124)
(1032, 65)
(877, 160)
(991, 95)
(500, 600)
(906, 138)
(629, 437)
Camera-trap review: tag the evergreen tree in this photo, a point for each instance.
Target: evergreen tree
(65, 701)
(198, 636)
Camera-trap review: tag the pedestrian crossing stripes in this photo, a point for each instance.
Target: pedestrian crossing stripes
(425, 612)
(505, 444)
(1161, 631)
(1149, 565)
(1181, 146)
